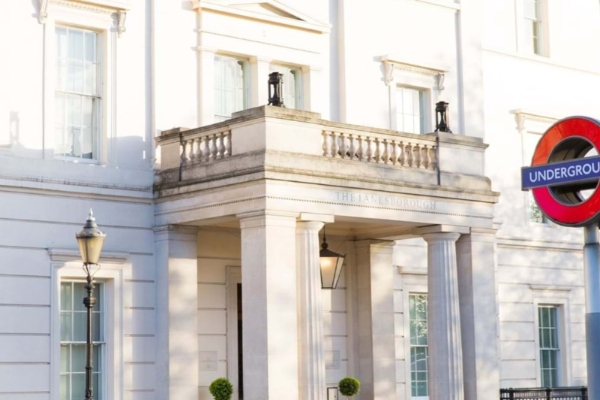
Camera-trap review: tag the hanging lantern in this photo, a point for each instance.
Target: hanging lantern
(331, 264)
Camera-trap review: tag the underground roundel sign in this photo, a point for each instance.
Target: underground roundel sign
(565, 171)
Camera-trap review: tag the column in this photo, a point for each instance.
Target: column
(445, 363)
(310, 312)
(376, 339)
(270, 335)
(176, 312)
(478, 314)
(260, 81)
(206, 92)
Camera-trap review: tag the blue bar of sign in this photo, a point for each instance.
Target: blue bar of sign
(577, 170)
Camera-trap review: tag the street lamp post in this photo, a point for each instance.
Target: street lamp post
(90, 241)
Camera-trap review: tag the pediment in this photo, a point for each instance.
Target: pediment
(268, 10)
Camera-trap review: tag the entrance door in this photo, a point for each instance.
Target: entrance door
(234, 331)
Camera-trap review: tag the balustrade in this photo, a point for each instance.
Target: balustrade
(382, 149)
(206, 147)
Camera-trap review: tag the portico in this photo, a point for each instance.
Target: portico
(256, 191)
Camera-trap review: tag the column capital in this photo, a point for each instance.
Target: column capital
(179, 232)
(260, 218)
(325, 218)
(441, 236)
(309, 226)
(441, 229)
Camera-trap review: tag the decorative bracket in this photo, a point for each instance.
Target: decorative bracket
(440, 81)
(121, 17)
(389, 73)
(43, 14)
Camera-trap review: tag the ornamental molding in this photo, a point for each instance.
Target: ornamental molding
(116, 9)
(201, 48)
(394, 63)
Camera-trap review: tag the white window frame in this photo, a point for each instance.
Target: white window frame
(246, 83)
(559, 297)
(424, 105)
(414, 75)
(99, 288)
(531, 123)
(524, 45)
(115, 271)
(413, 283)
(104, 24)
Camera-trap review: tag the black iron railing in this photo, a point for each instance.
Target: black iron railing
(563, 393)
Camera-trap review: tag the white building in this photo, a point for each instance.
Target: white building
(95, 95)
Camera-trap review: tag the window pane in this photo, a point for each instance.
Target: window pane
(66, 296)
(90, 79)
(418, 338)
(65, 326)
(78, 357)
(78, 386)
(61, 43)
(90, 47)
(65, 387)
(75, 76)
(65, 358)
(76, 44)
(74, 111)
(79, 327)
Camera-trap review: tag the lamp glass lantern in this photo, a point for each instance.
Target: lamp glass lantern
(90, 241)
(331, 264)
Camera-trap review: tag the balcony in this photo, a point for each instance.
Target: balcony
(300, 151)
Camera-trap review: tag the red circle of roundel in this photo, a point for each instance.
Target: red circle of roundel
(581, 214)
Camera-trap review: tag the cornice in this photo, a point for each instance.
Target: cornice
(114, 8)
(394, 63)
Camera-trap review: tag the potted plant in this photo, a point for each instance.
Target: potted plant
(349, 386)
(221, 389)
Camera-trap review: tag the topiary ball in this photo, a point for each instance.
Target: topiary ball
(349, 386)
(221, 389)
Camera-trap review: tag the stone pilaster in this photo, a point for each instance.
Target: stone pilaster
(177, 356)
(269, 305)
(310, 312)
(445, 361)
(478, 314)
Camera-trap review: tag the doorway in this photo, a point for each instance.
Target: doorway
(234, 332)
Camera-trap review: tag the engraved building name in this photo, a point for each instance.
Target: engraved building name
(376, 199)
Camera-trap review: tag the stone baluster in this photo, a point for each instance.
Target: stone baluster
(401, 154)
(222, 144)
(199, 153)
(207, 150)
(325, 146)
(386, 152)
(377, 155)
(228, 146)
(334, 145)
(352, 148)
(183, 152)
(425, 157)
(394, 152)
(369, 152)
(417, 155)
(361, 149)
(343, 148)
(433, 156)
(409, 155)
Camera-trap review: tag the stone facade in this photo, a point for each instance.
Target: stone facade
(200, 209)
